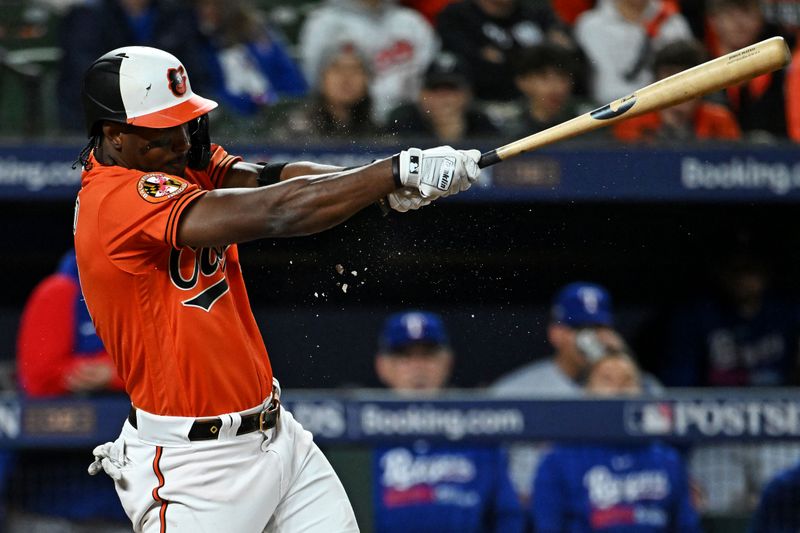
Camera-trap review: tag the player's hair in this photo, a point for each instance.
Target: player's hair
(624, 354)
(546, 56)
(713, 6)
(83, 156)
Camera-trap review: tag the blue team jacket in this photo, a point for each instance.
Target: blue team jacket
(612, 489)
(441, 489)
(779, 508)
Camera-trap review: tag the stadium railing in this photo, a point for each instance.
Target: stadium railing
(728, 426)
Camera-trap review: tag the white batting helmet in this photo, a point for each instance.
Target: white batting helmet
(142, 86)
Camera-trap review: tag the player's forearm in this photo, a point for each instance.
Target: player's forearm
(320, 202)
(298, 206)
(307, 168)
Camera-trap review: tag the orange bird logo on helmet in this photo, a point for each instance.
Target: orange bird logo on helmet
(177, 81)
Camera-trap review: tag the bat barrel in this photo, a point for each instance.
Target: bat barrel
(731, 69)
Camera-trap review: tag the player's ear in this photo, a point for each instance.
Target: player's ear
(383, 368)
(113, 132)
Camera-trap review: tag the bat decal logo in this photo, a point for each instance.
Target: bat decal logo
(608, 111)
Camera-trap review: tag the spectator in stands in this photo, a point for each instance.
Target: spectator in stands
(340, 105)
(90, 29)
(432, 487)
(546, 75)
(569, 10)
(488, 34)
(619, 38)
(59, 354)
(397, 41)
(429, 8)
(613, 487)
(443, 112)
(779, 508)
(249, 64)
(767, 106)
(693, 120)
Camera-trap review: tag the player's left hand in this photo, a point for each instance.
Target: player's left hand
(407, 199)
(108, 458)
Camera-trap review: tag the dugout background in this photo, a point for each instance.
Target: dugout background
(490, 268)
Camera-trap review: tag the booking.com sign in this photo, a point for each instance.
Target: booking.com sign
(715, 418)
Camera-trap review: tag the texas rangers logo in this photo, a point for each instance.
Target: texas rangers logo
(157, 187)
(177, 81)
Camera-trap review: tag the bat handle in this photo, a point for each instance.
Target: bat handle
(488, 159)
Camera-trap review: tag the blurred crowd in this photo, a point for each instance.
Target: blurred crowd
(440, 70)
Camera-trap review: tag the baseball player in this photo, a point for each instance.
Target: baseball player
(427, 486)
(207, 446)
(641, 488)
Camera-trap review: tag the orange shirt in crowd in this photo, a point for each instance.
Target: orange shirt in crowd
(175, 320)
(569, 10)
(711, 121)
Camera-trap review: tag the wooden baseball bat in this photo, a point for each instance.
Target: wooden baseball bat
(730, 69)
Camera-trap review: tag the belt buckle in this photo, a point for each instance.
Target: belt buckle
(273, 406)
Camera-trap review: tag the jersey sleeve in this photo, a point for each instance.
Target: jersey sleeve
(138, 219)
(213, 176)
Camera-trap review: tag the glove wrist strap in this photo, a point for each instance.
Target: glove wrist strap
(410, 167)
(396, 171)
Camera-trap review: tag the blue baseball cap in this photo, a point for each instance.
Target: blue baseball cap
(582, 304)
(403, 329)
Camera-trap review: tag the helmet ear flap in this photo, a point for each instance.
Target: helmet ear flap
(200, 153)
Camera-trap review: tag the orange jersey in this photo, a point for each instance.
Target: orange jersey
(175, 320)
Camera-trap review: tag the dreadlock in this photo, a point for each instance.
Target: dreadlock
(83, 157)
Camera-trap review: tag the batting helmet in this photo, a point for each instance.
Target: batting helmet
(142, 86)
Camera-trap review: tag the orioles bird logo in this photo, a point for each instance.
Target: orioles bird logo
(177, 81)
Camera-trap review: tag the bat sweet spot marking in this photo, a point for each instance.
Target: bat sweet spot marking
(614, 109)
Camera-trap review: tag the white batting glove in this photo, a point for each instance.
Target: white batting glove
(439, 171)
(407, 199)
(109, 458)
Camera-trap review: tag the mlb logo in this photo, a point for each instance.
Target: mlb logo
(649, 418)
(413, 165)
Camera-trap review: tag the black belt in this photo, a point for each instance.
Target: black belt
(208, 428)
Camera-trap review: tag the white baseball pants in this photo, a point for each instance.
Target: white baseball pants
(271, 482)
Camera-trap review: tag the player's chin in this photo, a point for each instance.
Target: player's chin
(176, 167)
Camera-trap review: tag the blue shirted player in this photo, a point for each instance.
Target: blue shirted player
(613, 488)
(429, 487)
(779, 508)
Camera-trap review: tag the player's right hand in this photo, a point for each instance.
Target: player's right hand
(439, 171)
